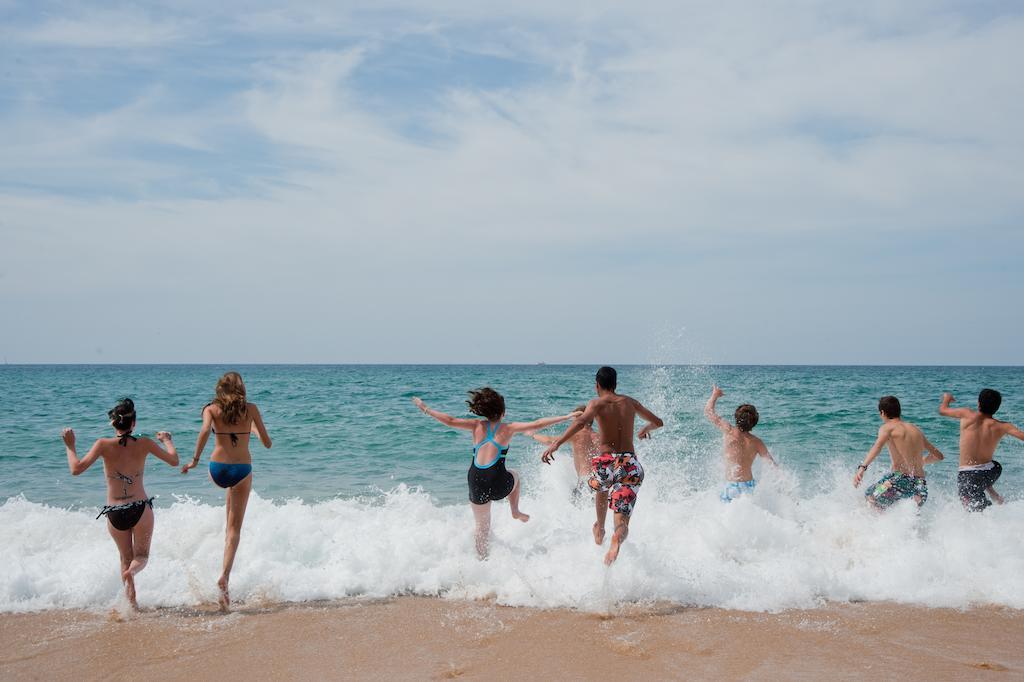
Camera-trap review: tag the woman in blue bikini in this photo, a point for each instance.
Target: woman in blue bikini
(231, 419)
(488, 478)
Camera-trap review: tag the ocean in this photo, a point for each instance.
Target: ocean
(362, 495)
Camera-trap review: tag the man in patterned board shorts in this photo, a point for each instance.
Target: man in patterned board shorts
(617, 473)
(906, 444)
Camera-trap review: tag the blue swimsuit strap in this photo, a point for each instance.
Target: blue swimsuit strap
(489, 438)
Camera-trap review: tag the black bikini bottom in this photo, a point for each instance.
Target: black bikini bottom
(125, 516)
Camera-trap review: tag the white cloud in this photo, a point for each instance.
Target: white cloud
(659, 133)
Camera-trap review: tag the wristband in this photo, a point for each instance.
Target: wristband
(862, 466)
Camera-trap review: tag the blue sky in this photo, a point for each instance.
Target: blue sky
(793, 182)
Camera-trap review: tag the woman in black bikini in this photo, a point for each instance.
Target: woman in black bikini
(231, 419)
(129, 512)
(488, 478)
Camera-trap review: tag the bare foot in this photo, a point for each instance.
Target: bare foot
(129, 590)
(613, 552)
(598, 533)
(134, 567)
(520, 516)
(225, 599)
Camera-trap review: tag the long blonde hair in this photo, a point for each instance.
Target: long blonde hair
(230, 397)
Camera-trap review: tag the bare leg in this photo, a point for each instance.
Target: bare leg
(123, 540)
(513, 499)
(482, 513)
(142, 537)
(601, 500)
(996, 497)
(237, 500)
(618, 537)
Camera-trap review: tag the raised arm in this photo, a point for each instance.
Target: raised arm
(446, 419)
(204, 435)
(653, 420)
(934, 454)
(883, 437)
(955, 412)
(170, 455)
(584, 418)
(709, 410)
(76, 465)
(261, 429)
(538, 424)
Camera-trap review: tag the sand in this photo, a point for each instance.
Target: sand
(426, 638)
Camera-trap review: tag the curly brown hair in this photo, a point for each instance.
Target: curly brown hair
(487, 403)
(746, 417)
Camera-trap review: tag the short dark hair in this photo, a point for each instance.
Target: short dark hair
(122, 415)
(746, 417)
(989, 401)
(487, 403)
(889, 405)
(607, 378)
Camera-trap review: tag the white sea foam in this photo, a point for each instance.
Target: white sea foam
(793, 544)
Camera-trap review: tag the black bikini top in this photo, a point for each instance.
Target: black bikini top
(234, 436)
(123, 438)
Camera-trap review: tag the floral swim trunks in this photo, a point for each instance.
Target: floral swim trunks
(896, 486)
(619, 474)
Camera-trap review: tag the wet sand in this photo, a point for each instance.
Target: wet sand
(424, 638)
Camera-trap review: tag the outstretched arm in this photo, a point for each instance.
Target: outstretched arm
(1012, 430)
(934, 454)
(582, 420)
(955, 412)
(261, 429)
(547, 440)
(709, 410)
(204, 435)
(538, 424)
(76, 465)
(171, 455)
(883, 436)
(653, 421)
(446, 419)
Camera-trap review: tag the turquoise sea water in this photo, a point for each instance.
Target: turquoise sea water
(362, 495)
(351, 431)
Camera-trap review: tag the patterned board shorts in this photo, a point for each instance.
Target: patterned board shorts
(619, 474)
(735, 489)
(896, 486)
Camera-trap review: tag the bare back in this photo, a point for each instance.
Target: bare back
(979, 436)
(616, 417)
(225, 448)
(585, 445)
(740, 449)
(906, 445)
(123, 466)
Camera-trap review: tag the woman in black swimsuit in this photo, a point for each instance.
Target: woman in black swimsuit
(488, 478)
(129, 512)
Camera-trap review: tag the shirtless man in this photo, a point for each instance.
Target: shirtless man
(740, 448)
(585, 446)
(980, 433)
(906, 442)
(616, 473)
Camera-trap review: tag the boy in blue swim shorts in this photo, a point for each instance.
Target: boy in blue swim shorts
(740, 447)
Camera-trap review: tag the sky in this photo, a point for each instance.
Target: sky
(464, 181)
